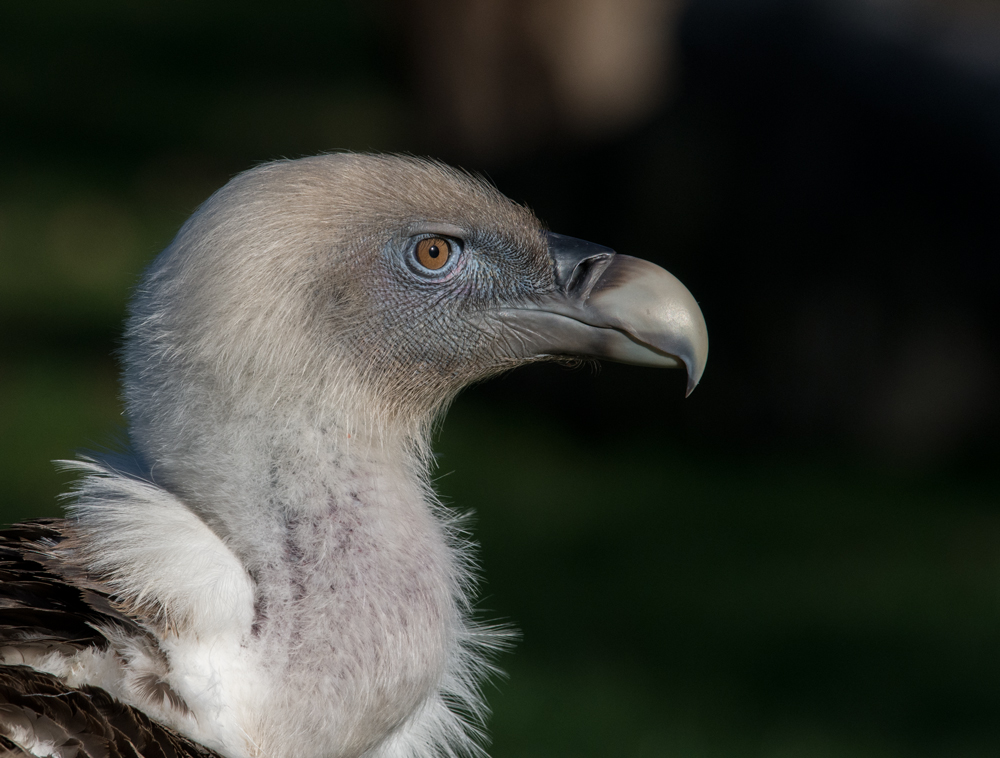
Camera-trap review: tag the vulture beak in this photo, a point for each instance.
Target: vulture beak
(614, 307)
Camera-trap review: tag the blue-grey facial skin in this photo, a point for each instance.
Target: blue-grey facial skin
(497, 303)
(441, 321)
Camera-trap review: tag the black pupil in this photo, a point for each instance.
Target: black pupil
(434, 252)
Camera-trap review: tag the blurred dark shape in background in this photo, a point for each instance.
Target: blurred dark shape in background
(803, 558)
(826, 174)
(496, 79)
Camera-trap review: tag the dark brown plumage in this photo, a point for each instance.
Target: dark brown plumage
(80, 723)
(44, 599)
(48, 605)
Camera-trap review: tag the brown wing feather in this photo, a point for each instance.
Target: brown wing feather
(45, 599)
(80, 723)
(47, 603)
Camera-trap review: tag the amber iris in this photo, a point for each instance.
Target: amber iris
(433, 252)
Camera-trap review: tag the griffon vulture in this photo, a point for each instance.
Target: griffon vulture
(267, 572)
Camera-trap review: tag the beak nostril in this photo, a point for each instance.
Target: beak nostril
(586, 274)
(577, 263)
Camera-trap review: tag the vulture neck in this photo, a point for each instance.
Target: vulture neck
(354, 600)
(260, 475)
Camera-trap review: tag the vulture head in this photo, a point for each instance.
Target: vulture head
(276, 578)
(358, 294)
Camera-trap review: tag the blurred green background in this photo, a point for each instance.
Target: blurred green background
(800, 560)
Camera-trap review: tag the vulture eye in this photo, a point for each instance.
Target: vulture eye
(433, 253)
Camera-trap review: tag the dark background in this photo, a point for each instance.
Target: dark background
(802, 558)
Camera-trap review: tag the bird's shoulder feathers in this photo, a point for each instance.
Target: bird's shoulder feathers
(41, 716)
